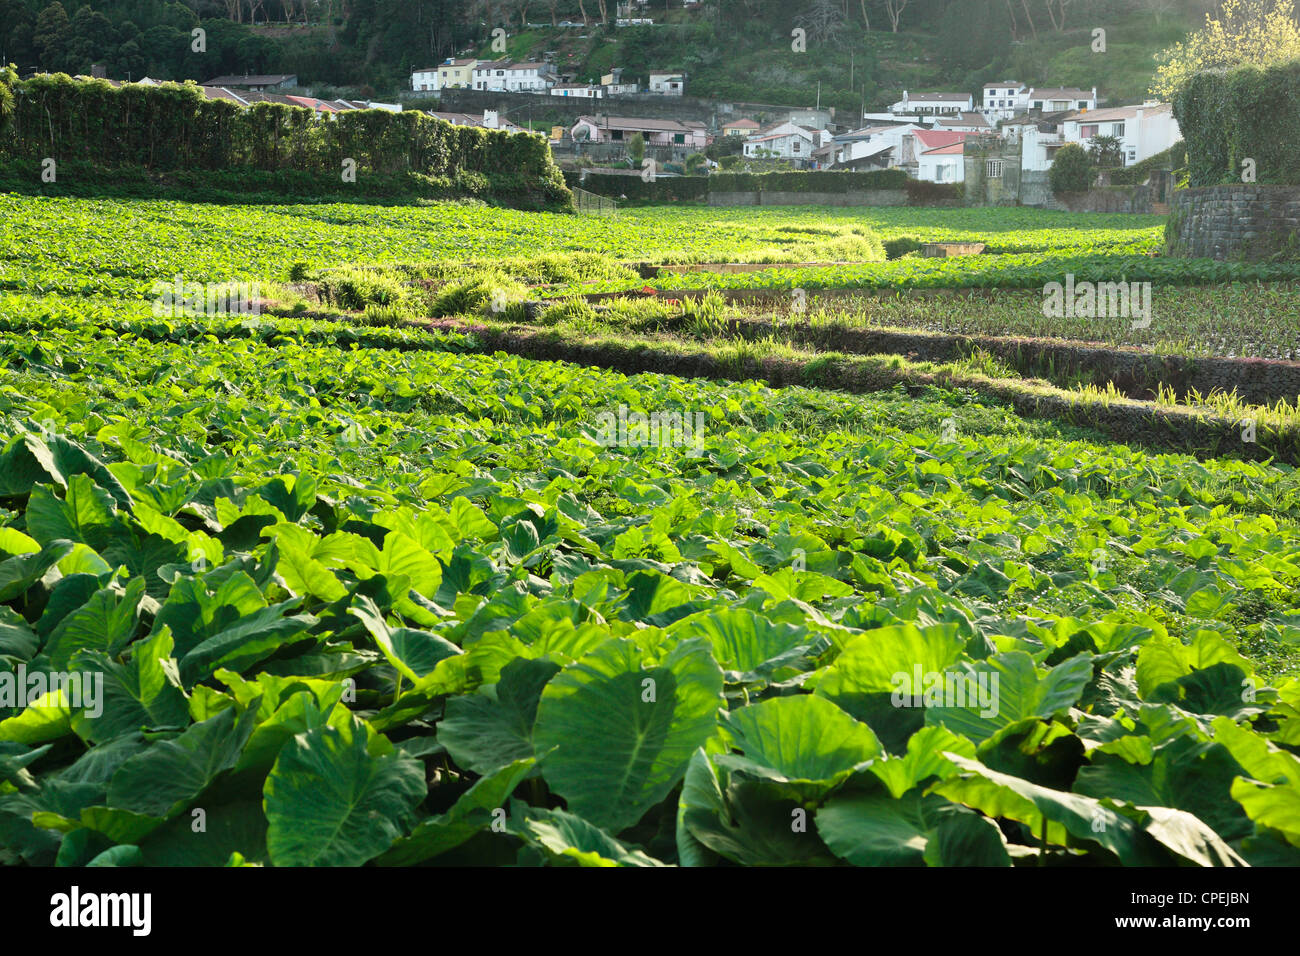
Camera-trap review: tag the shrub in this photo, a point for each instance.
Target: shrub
(477, 294)
(1174, 158)
(897, 248)
(1071, 171)
(358, 288)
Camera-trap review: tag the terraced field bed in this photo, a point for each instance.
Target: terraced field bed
(368, 592)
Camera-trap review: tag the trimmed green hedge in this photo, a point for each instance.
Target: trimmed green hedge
(923, 193)
(244, 186)
(697, 188)
(661, 189)
(815, 181)
(174, 127)
(1228, 116)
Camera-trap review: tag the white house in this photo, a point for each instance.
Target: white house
(490, 75)
(668, 83)
(786, 141)
(1059, 99)
(425, 79)
(797, 145)
(582, 91)
(1039, 144)
(933, 104)
(1004, 99)
(876, 146)
(529, 77)
(964, 122)
(1143, 131)
(490, 119)
(927, 149)
(943, 164)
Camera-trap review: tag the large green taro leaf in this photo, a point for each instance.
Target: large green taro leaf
(472, 813)
(744, 820)
(86, 513)
(748, 645)
(136, 694)
(106, 622)
(805, 743)
(235, 827)
(1059, 817)
(966, 839)
(250, 639)
(19, 573)
(624, 727)
(329, 802)
(874, 829)
(924, 759)
(571, 839)
(163, 779)
(17, 639)
(1184, 773)
(1004, 690)
(413, 653)
(873, 662)
(29, 459)
(486, 730)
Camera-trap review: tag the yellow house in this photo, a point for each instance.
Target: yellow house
(741, 127)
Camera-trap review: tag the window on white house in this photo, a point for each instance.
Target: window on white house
(1087, 132)
(993, 168)
(1117, 130)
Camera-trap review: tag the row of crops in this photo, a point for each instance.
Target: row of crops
(359, 604)
(88, 247)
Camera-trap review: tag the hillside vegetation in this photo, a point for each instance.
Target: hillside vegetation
(736, 51)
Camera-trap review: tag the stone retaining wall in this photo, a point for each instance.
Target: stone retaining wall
(1247, 221)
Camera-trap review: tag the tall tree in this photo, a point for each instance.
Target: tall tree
(1056, 11)
(894, 10)
(824, 21)
(51, 36)
(1030, 18)
(1245, 32)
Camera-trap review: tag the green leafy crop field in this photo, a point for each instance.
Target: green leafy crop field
(374, 596)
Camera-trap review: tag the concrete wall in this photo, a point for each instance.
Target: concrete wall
(1031, 187)
(1035, 190)
(1134, 199)
(1224, 222)
(873, 197)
